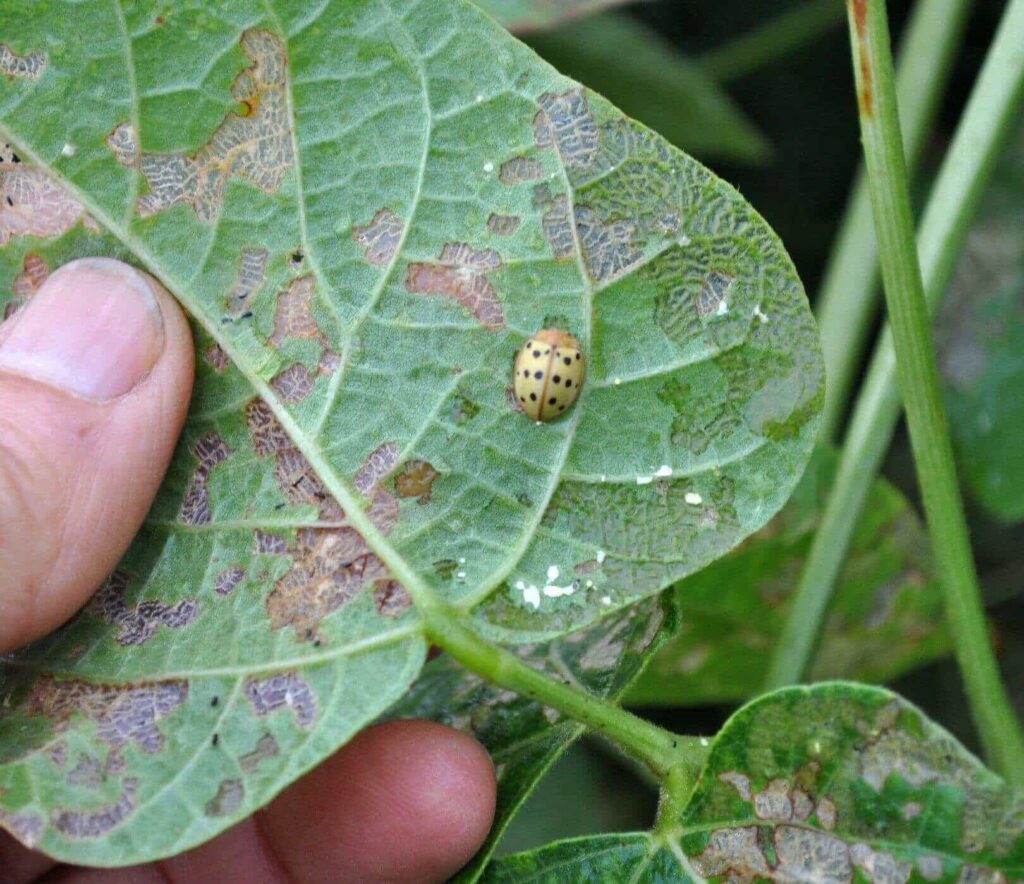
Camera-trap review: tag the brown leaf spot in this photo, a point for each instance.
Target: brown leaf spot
(520, 169)
(267, 747)
(503, 225)
(460, 276)
(826, 813)
(123, 714)
(380, 238)
(227, 581)
(266, 432)
(254, 146)
(293, 384)
(252, 270)
(229, 797)
(286, 690)
(34, 273)
(734, 854)
(94, 823)
(123, 144)
(216, 358)
(26, 67)
(566, 121)
(390, 598)
(329, 568)
(416, 480)
(209, 451)
(138, 625)
(293, 317)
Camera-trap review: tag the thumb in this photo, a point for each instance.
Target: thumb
(95, 378)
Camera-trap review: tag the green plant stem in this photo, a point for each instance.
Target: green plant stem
(769, 42)
(657, 748)
(968, 165)
(998, 728)
(849, 289)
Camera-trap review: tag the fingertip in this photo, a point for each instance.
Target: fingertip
(405, 800)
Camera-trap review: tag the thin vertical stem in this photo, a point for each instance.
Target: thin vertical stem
(849, 290)
(918, 375)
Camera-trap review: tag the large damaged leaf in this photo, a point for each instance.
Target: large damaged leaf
(367, 208)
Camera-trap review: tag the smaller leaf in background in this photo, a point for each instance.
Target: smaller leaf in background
(886, 618)
(526, 16)
(830, 783)
(524, 738)
(637, 70)
(981, 345)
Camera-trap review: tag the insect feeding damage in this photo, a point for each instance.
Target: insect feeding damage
(210, 450)
(26, 67)
(380, 238)
(255, 145)
(34, 203)
(285, 690)
(94, 823)
(138, 625)
(124, 714)
(34, 273)
(460, 274)
(330, 565)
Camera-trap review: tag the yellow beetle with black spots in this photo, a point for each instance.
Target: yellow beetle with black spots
(548, 374)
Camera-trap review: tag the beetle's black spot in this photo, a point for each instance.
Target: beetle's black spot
(533, 397)
(557, 379)
(568, 382)
(536, 354)
(561, 408)
(529, 344)
(578, 356)
(546, 352)
(538, 375)
(522, 398)
(552, 400)
(568, 361)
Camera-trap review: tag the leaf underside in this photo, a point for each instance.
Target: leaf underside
(366, 208)
(833, 783)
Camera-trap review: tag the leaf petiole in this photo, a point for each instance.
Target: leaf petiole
(659, 749)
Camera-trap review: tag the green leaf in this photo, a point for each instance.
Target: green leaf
(981, 345)
(367, 208)
(527, 16)
(836, 782)
(885, 620)
(632, 66)
(523, 738)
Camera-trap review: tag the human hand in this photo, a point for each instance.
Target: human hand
(95, 378)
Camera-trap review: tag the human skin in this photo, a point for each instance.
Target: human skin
(95, 377)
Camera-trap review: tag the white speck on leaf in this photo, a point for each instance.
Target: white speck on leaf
(488, 167)
(762, 316)
(723, 307)
(693, 498)
(644, 480)
(664, 470)
(553, 572)
(68, 149)
(600, 555)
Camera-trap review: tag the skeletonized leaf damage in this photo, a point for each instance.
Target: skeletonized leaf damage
(360, 275)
